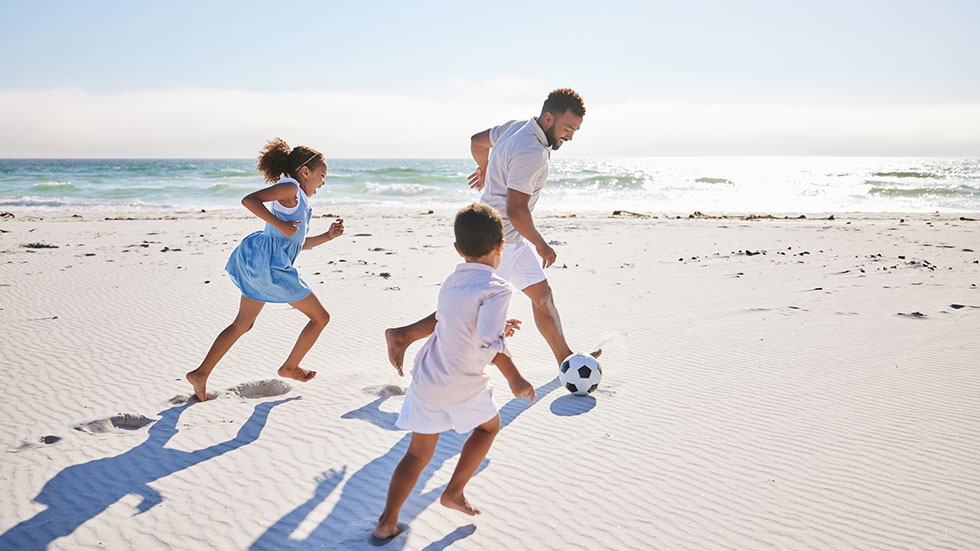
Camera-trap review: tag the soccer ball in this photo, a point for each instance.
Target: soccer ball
(580, 374)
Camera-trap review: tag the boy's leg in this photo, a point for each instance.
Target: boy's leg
(319, 318)
(248, 310)
(406, 474)
(399, 338)
(474, 450)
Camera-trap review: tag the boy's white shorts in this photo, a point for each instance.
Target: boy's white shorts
(420, 416)
(520, 264)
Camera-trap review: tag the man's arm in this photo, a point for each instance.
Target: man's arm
(520, 217)
(480, 150)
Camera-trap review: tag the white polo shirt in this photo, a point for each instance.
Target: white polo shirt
(519, 161)
(469, 333)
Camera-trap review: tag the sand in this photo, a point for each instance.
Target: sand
(768, 384)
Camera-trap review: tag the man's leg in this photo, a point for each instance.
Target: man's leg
(399, 338)
(546, 318)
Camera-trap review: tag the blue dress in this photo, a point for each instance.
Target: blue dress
(262, 264)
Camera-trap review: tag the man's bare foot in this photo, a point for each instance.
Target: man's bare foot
(297, 373)
(459, 503)
(386, 530)
(396, 348)
(199, 383)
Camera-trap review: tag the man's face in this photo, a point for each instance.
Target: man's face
(563, 127)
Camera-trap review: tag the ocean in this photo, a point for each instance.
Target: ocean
(650, 184)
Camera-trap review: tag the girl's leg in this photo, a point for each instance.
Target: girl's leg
(318, 320)
(248, 310)
(406, 474)
(474, 450)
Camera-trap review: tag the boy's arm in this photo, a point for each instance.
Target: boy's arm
(518, 384)
(491, 322)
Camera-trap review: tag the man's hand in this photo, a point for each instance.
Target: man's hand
(521, 388)
(512, 326)
(547, 254)
(476, 180)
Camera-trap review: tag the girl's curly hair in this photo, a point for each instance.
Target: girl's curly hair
(277, 159)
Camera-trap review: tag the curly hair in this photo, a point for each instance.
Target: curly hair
(564, 99)
(478, 230)
(277, 158)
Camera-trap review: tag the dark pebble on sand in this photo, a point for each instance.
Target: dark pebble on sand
(385, 275)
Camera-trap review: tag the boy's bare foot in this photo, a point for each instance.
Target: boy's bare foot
(199, 383)
(596, 353)
(297, 373)
(459, 503)
(386, 530)
(396, 348)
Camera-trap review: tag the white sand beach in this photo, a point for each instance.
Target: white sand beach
(768, 384)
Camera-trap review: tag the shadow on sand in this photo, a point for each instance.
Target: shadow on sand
(350, 522)
(80, 492)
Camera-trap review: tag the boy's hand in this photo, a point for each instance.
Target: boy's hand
(476, 179)
(336, 229)
(288, 227)
(522, 389)
(512, 326)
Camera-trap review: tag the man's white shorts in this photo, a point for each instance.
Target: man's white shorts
(520, 264)
(420, 416)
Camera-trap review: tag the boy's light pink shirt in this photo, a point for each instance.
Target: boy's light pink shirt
(470, 321)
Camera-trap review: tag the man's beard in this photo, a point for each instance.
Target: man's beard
(552, 139)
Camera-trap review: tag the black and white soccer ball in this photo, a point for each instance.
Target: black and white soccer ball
(580, 374)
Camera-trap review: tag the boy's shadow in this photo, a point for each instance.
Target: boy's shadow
(350, 522)
(81, 492)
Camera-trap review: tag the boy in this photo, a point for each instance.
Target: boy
(449, 388)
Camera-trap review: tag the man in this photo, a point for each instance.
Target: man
(512, 168)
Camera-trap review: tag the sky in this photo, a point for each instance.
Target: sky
(217, 79)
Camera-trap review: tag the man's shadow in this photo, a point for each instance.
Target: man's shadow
(81, 492)
(349, 523)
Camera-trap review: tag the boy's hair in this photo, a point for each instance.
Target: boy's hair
(277, 159)
(478, 229)
(563, 99)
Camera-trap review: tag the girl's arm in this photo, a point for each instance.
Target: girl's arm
(335, 231)
(254, 202)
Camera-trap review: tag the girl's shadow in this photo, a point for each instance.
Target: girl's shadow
(349, 524)
(80, 492)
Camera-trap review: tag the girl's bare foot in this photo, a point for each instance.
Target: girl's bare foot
(459, 503)
(199, 383)
(386, 530)
(396, 348)
(297, 373)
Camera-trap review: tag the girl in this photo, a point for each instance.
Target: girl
(262, 264)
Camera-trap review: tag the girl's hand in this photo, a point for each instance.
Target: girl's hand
(336, 229)
(288, 227)
(511, 327)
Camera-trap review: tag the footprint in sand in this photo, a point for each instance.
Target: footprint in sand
(251, 389)
(116, 423)
(261, 389)
(38, 442)
(384, 390)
